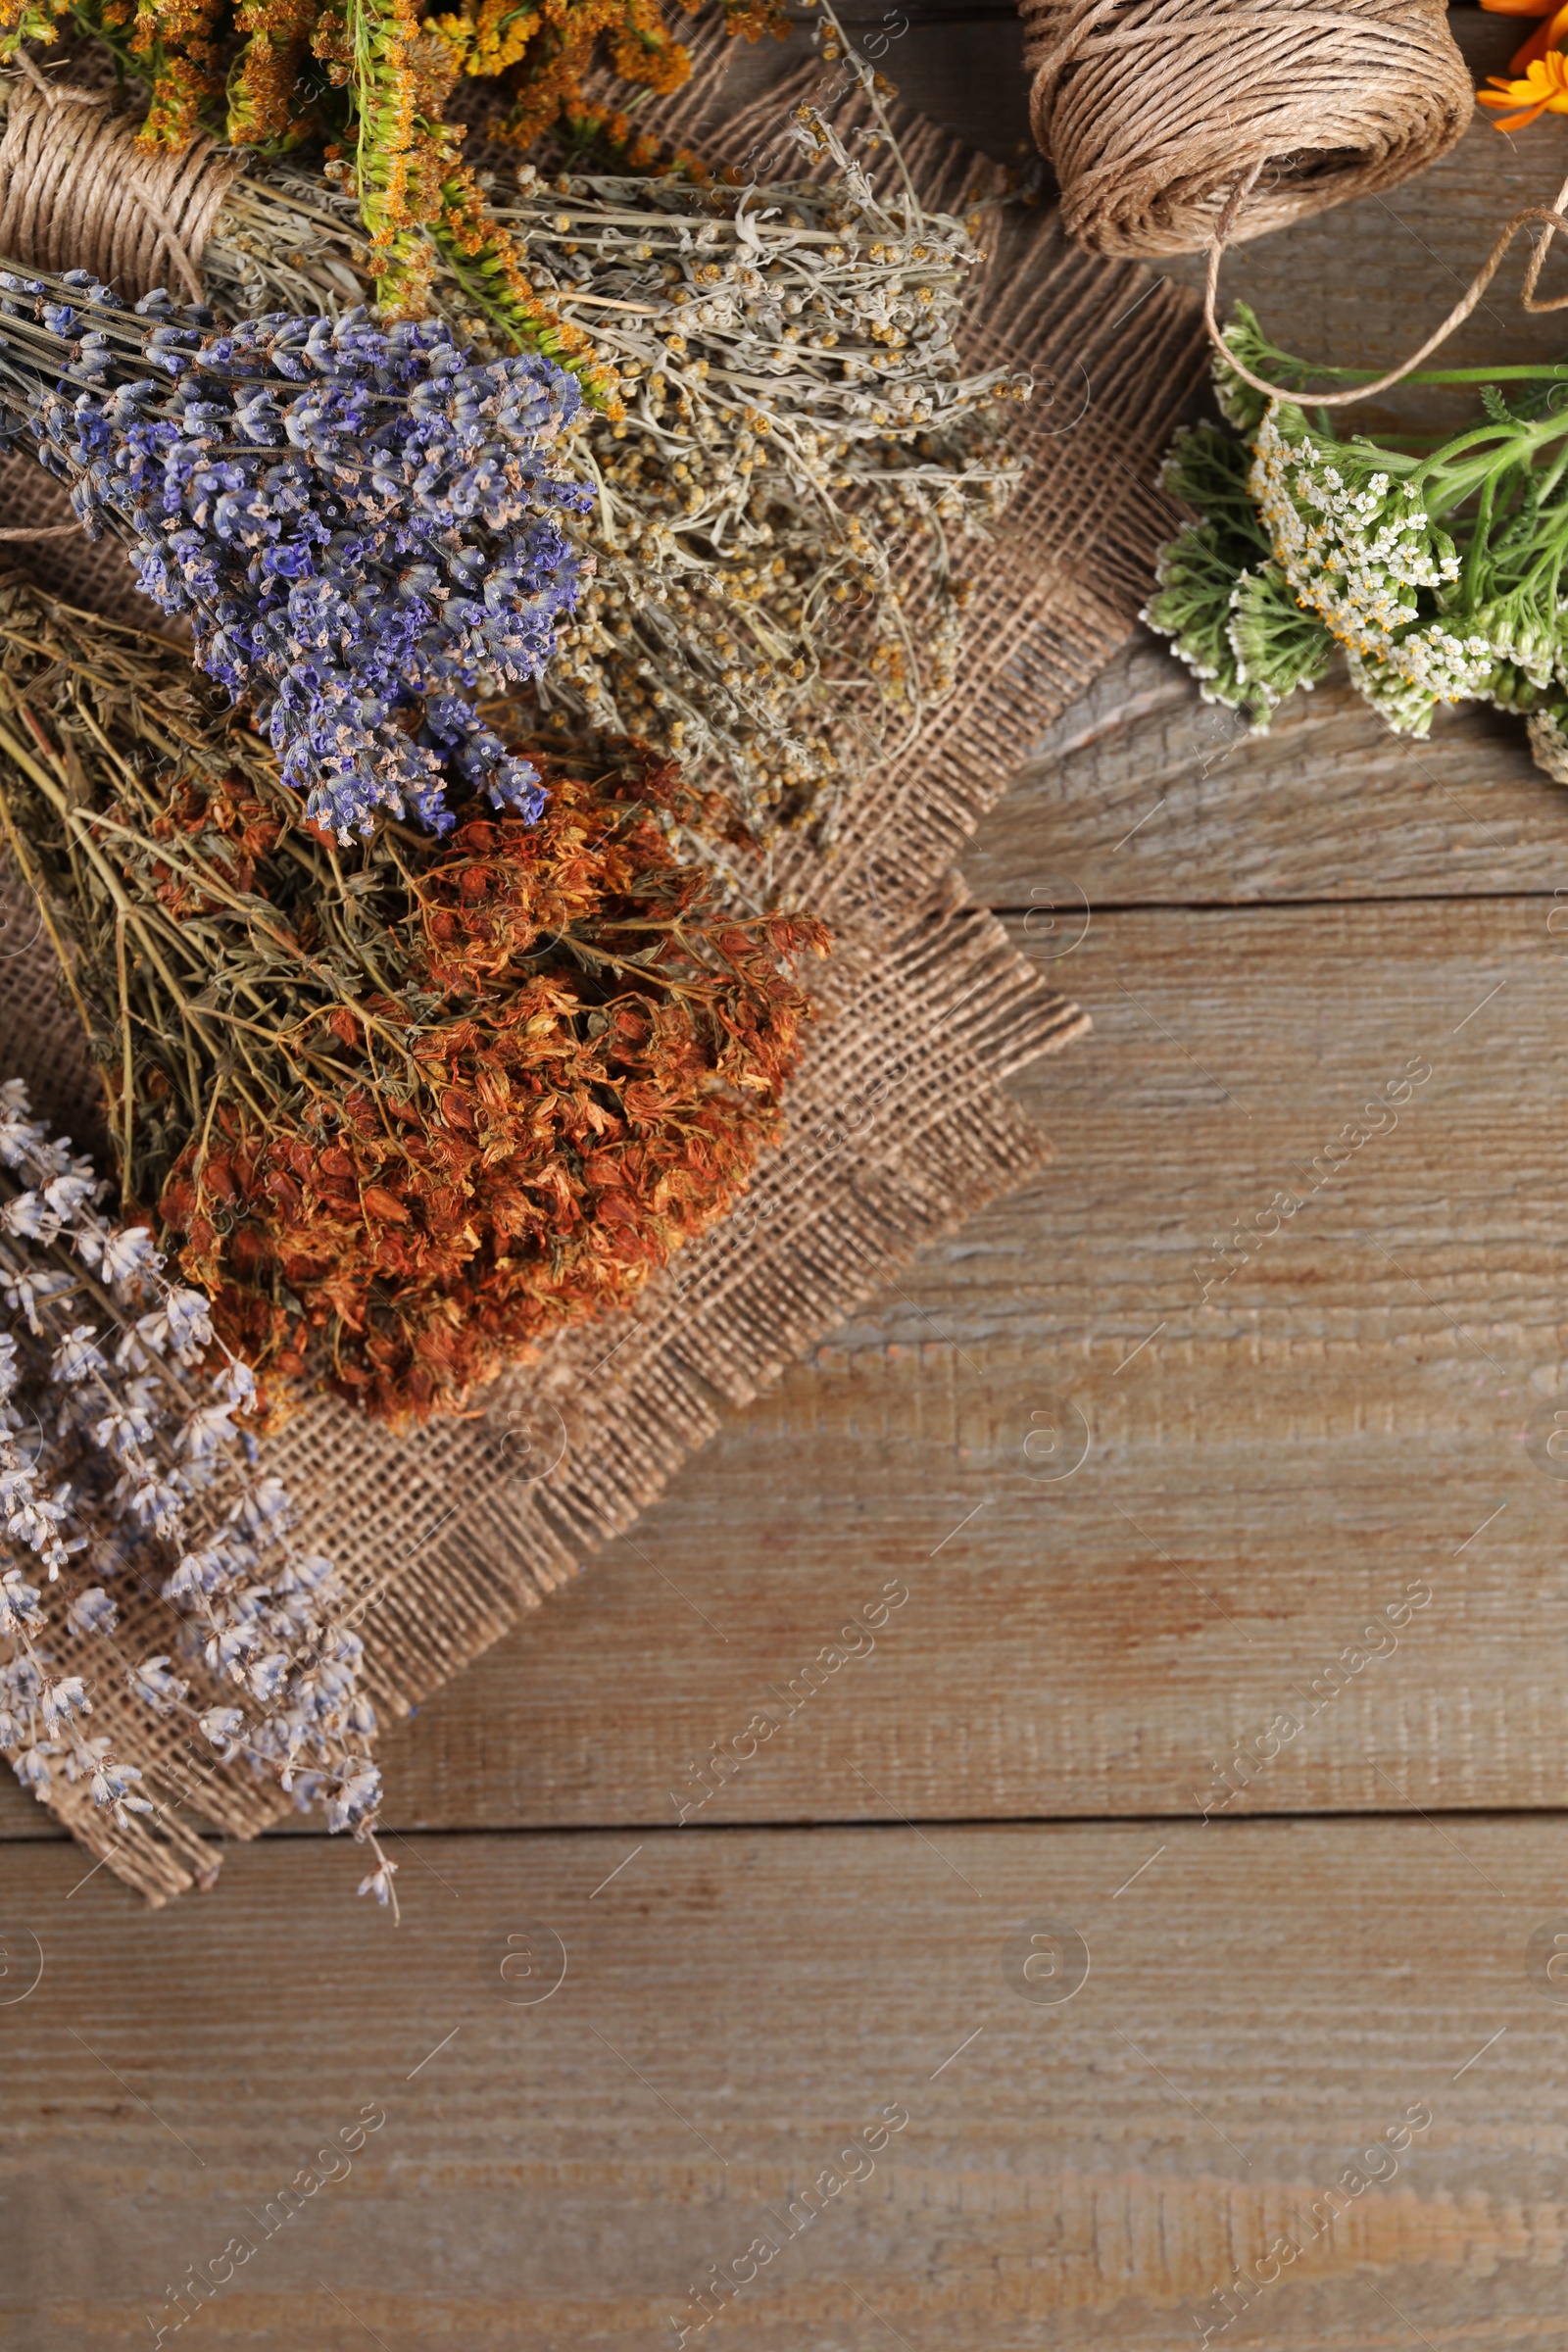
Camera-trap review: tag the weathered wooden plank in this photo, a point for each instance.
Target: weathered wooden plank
(1143, 794)
(1268, 1471)
(1265, 2004)
(21, 1816)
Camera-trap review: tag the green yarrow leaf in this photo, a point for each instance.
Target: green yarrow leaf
(1207, 470)
(1234, 619)
(1277, 644)
(1198, 576)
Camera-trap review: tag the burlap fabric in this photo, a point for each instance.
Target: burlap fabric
(899, 1124)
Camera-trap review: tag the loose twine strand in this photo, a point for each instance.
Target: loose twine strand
(1550, 221)
(77, 193)
(1153, 111)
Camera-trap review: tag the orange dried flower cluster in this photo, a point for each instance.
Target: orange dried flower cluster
(268, 107)
(553, 46)
(574, 1075)
(543, 50)
(406, 1108)
(177, 42)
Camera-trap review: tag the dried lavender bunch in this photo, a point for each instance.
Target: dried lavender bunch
(360, 523)
(119, 1460)
(780, 507)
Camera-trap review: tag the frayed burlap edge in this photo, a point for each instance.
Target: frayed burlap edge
(899, 1127)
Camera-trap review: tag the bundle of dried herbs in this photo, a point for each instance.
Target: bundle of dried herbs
(784, 476)
(799, 476)
(402, 1108)
(361, 523)
(120, 1466)
(372, 81)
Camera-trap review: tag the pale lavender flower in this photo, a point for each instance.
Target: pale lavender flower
(151, 1446)
(92, 1612)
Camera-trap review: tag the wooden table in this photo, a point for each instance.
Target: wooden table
(1117, 1982)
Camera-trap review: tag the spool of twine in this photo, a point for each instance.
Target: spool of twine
(1154, 113)
(77, 193)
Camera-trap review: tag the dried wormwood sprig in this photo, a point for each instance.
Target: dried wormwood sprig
(119, 1460)
(779, 509)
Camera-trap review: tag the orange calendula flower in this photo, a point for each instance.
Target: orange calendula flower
(1543, 90)
(1553, 34)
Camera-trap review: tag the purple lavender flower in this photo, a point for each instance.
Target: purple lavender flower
(361, 522)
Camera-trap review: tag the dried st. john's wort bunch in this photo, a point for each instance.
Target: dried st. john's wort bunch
(785, 514)
(405, 1107)
(120, 1466)
(1440, 569)
(360, 524)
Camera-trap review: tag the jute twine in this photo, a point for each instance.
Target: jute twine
(1531, 215)
(77, 193)
(1154, 111)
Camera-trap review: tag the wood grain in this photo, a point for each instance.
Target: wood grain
(1143, 794)
(1264, 2002)
(1268, 1471)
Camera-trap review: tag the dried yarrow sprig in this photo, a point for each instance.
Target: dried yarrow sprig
(786, 512)
(360, 524)
(1440, 569)
(120, 1463)
(407, 1107)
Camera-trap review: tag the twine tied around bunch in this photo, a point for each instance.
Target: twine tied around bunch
(1154, 111)
(77, 193)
